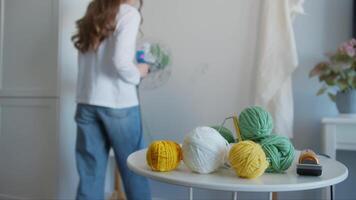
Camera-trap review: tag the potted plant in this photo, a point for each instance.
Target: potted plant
(338, 77)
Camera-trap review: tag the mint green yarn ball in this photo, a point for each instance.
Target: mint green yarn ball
(280, 153)
(255, 123)
(225, 132)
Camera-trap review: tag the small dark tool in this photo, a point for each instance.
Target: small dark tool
(308, 164)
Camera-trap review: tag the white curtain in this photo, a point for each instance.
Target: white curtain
(276, 61)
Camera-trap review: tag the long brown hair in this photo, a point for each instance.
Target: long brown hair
(98, 23)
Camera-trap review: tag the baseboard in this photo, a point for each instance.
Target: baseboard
(9, 197)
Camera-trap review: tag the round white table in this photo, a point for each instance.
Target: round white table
(225, 179)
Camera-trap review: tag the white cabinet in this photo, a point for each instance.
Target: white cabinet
(29, 48)
(38, 67)
(339, 133)
(28, 148)
(29, 103)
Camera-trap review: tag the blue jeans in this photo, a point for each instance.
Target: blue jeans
(98, 129)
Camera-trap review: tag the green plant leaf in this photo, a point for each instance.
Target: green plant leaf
(350, 80)
(318, 69)
(328, 77)
(342, 74)
(155, 50)
(332, 96)
(159, 52)
(330, 80)
(328, 71)
(342, 84)
(340, 57)
(165, 60)
(353, 65)
(321, 91)
(323, 78)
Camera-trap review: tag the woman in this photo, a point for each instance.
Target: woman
(108, 113)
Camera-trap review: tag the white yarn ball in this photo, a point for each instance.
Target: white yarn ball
(204, 150)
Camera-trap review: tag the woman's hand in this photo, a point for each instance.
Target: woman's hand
(143, 68)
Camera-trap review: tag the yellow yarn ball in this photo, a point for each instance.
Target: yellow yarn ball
(163, 156)
(248, 159)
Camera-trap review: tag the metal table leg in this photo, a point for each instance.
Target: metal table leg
(190, 193)
(331, 192)
(235, 196)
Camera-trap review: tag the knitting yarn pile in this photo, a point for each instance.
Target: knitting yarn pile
(248, 159)
(279, 151)
(256, 124)
(204, 150)
(163, 156)
(225, 132)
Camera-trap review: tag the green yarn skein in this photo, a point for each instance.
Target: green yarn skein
(255, 123)
(279, 151)
(225, 132)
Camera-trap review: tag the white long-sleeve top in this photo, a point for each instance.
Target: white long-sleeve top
(108, 76)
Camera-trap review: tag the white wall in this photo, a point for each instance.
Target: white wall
(213, 55)
(212, 63)
(70, 11)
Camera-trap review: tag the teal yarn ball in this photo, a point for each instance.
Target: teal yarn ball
(255, 123)
(225, 132)
(279, 151)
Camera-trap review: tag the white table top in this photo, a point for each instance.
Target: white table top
(225, 179)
